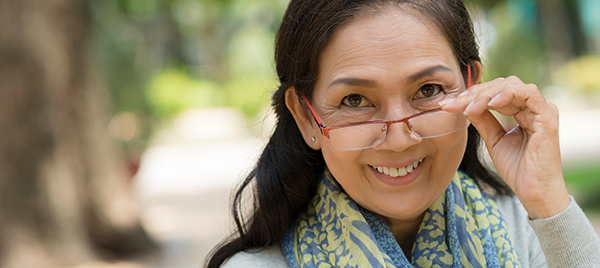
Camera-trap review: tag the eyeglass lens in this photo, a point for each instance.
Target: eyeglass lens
(429, 125)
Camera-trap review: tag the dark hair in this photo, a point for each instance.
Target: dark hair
(287, 172)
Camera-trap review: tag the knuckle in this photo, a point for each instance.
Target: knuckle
(513, 87)
(554, 109)
(513, 78)
(554, 125)
(532, 87)
(553, 116)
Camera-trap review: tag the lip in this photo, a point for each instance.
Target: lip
(399, 181)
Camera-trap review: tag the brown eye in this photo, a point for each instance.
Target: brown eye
(428, 91)
(353, 100)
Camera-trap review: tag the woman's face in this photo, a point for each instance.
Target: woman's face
(381, 67)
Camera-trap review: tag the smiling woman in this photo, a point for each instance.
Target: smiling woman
(374, 159)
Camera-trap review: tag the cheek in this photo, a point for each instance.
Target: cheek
(339, 160)
(451, 149)
(344, 165)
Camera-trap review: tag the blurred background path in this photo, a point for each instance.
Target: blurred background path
(186, 180)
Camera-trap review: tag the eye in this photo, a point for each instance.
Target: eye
(355, 100)
(428, 91)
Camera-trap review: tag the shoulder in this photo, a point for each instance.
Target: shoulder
(259, 257)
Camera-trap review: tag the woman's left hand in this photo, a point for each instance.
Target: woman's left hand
(528, 156)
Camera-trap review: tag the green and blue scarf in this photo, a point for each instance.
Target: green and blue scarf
(463, 228)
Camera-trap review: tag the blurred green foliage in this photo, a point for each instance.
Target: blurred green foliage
(519, 48)
(584, 181)
(582, 73)
(173, 90)
(162, 57)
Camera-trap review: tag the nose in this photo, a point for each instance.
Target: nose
(399, 136)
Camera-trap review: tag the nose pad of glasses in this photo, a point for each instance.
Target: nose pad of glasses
(384, 129)
(408, 126)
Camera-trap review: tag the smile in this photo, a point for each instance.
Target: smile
(398, 172)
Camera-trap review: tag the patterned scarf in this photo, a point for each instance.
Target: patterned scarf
(463, 228)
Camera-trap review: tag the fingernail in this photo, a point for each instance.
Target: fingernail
(463, 93)
(446, 102)
(494, 100)
(466, 112)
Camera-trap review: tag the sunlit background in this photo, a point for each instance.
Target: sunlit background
(190, 83)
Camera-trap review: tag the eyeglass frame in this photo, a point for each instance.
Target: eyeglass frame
(325, 130)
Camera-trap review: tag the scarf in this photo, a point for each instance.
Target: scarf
(463, 228)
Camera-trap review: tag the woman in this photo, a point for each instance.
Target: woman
(374, 159)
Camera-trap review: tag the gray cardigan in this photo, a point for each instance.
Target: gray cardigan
(565, 240)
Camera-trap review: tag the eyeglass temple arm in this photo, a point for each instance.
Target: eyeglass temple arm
(317, 119)
(468, 75)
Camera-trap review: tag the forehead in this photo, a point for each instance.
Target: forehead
(398, 40)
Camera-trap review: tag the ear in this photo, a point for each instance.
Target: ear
(304, 119)
(477, 69)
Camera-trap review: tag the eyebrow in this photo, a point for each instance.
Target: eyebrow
(370, 83)
(353, 82)
(428, 72)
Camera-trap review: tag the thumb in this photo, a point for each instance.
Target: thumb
(489, 128)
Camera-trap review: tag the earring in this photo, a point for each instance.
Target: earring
(312, 139)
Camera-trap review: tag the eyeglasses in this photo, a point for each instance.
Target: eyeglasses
(356, 136)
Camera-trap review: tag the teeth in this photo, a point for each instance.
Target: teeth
(394, 172)
(402, 171)
(398, 172)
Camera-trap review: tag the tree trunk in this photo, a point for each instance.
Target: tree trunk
(64, 193)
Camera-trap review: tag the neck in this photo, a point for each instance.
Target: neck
(405, 232)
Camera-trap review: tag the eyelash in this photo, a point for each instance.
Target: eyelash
(441, 89)
(345, 99)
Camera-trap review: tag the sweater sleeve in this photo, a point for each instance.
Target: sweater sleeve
(568, 238)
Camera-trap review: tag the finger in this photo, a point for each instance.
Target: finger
(527, 105)
(460, 103)
(553, 108)
(506, 89)
(544, 123)
(489, 128)
(514, 98)
(523, 118)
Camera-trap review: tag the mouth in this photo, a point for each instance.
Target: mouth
(398, 172)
